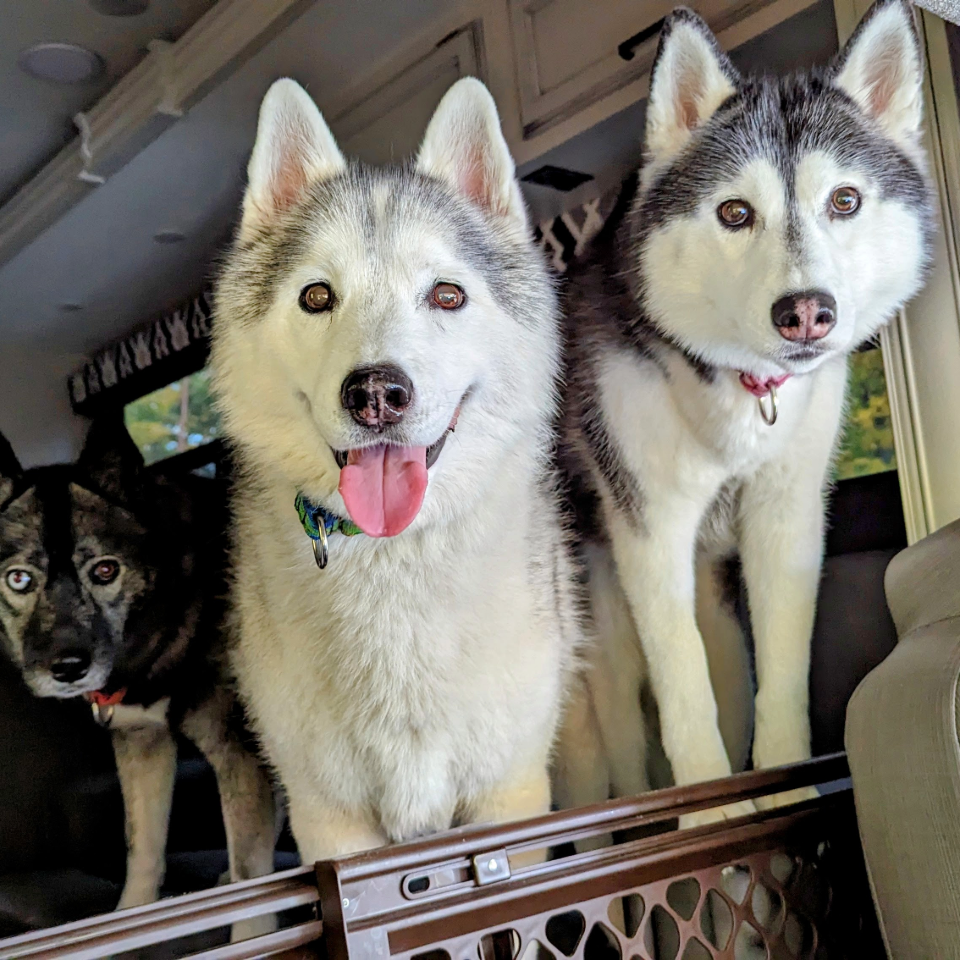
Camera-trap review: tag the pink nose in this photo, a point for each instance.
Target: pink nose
(804, 316)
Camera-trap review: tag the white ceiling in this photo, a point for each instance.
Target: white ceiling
(102, 255)
(36, 116)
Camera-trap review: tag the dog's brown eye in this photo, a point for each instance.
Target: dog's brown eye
(845, 200)
(104, 572)
(20, 581)
(735, 213)
(316, 298)
(448, 296)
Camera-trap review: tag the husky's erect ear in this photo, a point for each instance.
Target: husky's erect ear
(465, 148)
(294, 148)
(110, 459)
(691, 77)
(10, 469)
(881, 69)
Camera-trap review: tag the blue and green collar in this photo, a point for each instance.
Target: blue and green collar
(318, 523)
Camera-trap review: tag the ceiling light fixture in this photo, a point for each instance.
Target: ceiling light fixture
(60, 63)
(139, 108)
(169, 236)
(120, 8)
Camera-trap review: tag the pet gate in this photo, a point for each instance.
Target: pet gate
(611, 882)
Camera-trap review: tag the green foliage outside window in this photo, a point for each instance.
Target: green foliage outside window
(867, 442)
(175, 418)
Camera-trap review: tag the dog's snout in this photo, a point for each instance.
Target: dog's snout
(70, 666)
(805, 316)
(377, 396)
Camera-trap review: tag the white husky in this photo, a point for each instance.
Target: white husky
(362, 314)
(775, 226)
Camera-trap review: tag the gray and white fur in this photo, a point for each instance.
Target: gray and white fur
(775, 225)
(417, 681)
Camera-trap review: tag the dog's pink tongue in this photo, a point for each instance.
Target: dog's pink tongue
(383, 487)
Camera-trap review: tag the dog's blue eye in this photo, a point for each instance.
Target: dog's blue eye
(20, 581)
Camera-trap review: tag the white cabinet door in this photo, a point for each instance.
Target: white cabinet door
(570, 54)
(388, 123)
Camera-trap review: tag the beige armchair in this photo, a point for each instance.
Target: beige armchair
(902, 742)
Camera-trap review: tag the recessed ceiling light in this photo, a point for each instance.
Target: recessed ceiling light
(169, 236)
(120, 8)
(61, 63)
(71, 307)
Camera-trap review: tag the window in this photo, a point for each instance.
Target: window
(176, 418)
(866, 445)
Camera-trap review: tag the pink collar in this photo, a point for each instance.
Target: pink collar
(760, 387)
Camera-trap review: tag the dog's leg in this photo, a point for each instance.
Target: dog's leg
(782, 549)
(146, 765)
(323, 830)
(581, 774)
(525, 794)
(246, 800)
(728, 659)
(655, 562)
(617, 679)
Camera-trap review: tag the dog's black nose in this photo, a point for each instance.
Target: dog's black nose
(70, 666)
(809, 315)
(377, 396)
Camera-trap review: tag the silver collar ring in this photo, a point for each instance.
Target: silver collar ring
(769, 418)
(321, 552)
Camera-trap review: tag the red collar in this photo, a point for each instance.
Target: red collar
(760, 386)
(102, 699)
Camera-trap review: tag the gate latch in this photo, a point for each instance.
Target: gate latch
(490, 867)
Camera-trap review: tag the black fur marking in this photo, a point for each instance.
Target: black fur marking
(620, 482)
(727, 574)
(10, 470)
(707, 372)
(780, 120)
(9, 465)
(51, 489)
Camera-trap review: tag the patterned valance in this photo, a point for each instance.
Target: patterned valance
(177, 343)
(172, 346)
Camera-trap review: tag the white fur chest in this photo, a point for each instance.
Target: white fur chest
(682, 430)
(401, 663)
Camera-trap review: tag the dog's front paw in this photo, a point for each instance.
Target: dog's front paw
(787, 799)
(136, 893)
(743, 808)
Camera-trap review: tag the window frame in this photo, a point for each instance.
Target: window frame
(921, 346)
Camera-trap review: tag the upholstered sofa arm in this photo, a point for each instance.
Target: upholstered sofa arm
(904, 751)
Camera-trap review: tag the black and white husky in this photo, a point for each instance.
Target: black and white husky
(775, 225)
(111, 588)
(416, 680)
